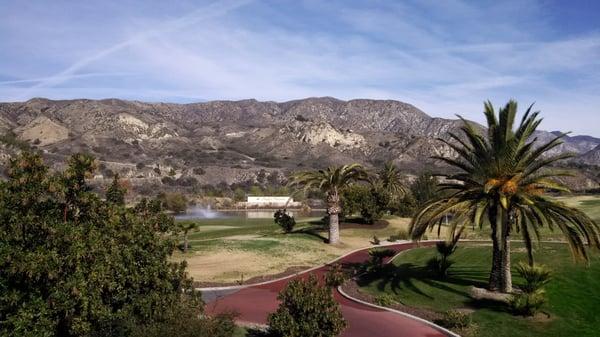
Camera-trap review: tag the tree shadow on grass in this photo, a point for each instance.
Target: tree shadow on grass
(407, 276)
(313, 231)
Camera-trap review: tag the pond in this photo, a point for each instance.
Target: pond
(201, 212)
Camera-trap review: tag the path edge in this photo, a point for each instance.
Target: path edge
(402, 313)
(244, 286)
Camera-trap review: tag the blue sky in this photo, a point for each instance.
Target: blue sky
(443, 56)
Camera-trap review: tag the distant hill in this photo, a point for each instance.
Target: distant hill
(238, 141)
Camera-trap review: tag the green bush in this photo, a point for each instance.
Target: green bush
(284, 220)
(335, 276)
(459, 322)
(375, 240)
(533, 297)
(535, 276)
(453, 319)
(186, 322)
(442, 263)
(385, 300)
(306, 309)
(527, 304)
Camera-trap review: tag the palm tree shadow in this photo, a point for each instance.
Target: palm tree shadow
(313, 230)
(406, 276)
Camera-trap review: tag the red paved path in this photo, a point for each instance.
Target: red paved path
(255, 302)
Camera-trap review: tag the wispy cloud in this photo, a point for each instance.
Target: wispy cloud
(213, 10)
(444, 57)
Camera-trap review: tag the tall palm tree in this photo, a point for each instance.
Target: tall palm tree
(389, 179)
(500, 182)
(331, 181)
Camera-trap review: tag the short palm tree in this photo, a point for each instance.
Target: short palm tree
(331, 181)
(500, 182)
(186, 228)
(389, 179)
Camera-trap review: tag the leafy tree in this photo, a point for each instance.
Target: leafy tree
(72, 264)
(306, 309)
(116, 192)
(175, 202)
(331, 181)
(424, 188)
(501, 182)
(369, 201)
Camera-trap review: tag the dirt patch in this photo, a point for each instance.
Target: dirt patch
(257, 279)
(541, 317)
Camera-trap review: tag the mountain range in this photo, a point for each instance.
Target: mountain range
(243, 141)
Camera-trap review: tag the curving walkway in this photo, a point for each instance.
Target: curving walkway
(255, 302)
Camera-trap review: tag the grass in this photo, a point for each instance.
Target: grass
(573, 293)
(260, 248)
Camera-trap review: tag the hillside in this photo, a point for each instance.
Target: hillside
(238, 141)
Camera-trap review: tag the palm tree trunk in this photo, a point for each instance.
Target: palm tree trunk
(334, 228)
(494, 282)
(333, 208)
(506, 279)
(185, 242)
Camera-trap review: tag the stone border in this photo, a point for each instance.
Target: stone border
(413, 317)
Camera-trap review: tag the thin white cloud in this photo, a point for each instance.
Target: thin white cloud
(213, 10)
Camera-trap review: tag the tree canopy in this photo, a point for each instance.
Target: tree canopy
(72, 264)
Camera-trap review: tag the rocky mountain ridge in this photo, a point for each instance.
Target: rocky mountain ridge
(232, 141)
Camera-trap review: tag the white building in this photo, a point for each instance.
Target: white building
(271, 201)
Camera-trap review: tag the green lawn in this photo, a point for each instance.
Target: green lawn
(573, 293)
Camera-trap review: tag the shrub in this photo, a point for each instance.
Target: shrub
(385, 300)
(187, 323)
(441, 263)
(335, 276)
(533, 296)
(306, 309)
(527, 304)
(535, 276)
(375, 240)
(453, 319)
(284, 220)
